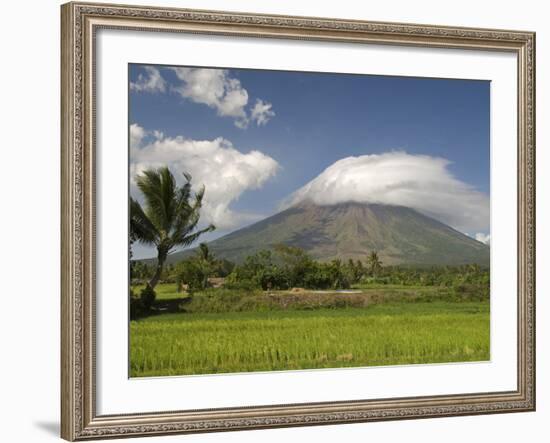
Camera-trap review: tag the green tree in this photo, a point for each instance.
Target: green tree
(206, 262)
(295, 262)
(223, 268)
(374, 263)
(192, 273)
(337, 275)
(170, 215)
(354, 270)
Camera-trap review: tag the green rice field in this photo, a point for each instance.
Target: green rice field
(389, 333)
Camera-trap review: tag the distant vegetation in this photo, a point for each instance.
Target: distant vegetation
(288, 267)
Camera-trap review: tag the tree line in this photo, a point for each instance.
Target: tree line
(284, 267)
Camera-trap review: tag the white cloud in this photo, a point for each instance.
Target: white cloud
(223, 170)
(151, 82)
(261, 113)
(137, 134)
(211, 87)
(216, 89)
(483, 238)
(420, 182)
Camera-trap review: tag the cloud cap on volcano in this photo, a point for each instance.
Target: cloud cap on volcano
(420, 182)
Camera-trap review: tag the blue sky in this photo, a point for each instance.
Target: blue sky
(308, 122)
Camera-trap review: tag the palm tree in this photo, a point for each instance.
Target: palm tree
(170, 216)
(206, 261)
(203, 253)
(374, 263)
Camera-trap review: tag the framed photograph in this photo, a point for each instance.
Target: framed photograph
(277, 221)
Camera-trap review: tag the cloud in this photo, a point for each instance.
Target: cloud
(212, 87)
(225, 172)
(137, 134)
(420, 182)
(261, 112)
(152, 81)
(216, 89)
(483, 238)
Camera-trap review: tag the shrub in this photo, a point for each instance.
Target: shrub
(147, 297)
(136, 306)
(234, 281)
(193, 273)
(273, 278)
(466, 291)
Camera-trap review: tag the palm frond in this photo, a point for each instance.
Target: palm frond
(171, 213)
(141, 228)
(191, 238)
(185, 224)
(199, 195)
(150, 185)
(182, 198)
(168, 193)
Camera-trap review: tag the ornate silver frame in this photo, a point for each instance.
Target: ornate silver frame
(80, 21)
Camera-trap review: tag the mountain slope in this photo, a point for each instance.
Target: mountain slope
(400, 235)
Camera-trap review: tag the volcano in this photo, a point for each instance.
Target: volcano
(400, 235)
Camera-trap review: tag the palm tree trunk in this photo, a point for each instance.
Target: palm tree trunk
(160, 264)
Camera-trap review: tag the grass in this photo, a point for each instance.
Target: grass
(373, 286)
(222, 300)
(164, 291)
(389, 333)
(234, 300)
(167, 291)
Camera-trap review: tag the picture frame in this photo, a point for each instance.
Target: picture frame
(79, 388)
